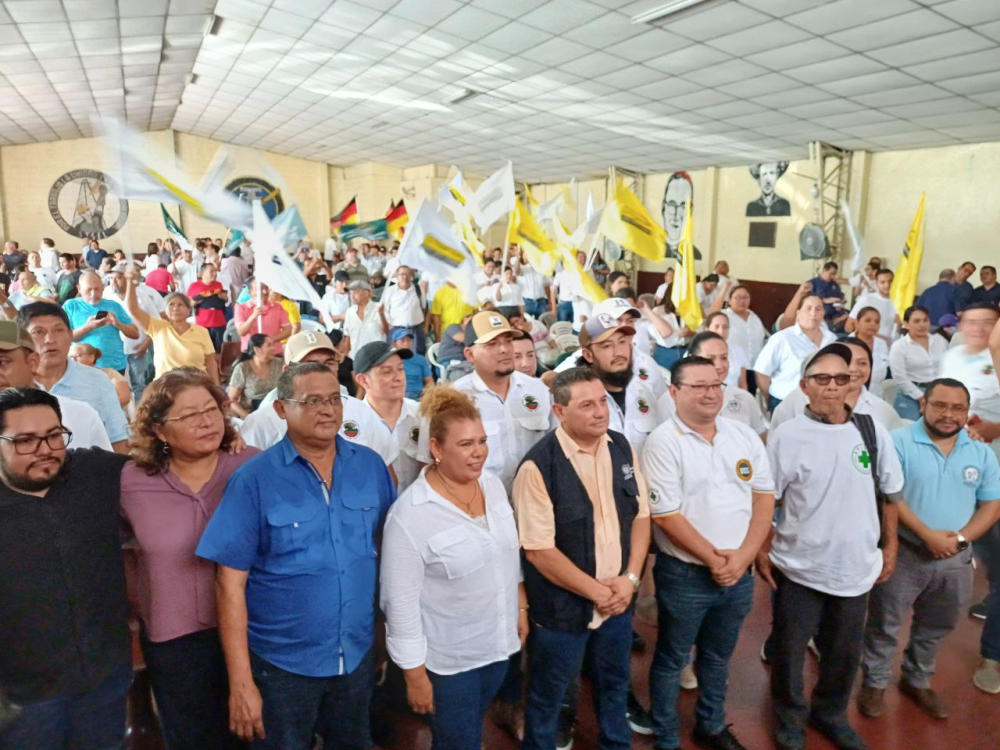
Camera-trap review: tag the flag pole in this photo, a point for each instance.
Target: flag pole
(260, 305)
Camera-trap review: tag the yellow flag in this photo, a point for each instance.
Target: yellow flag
(567, 251)
(529, 198)
(627, 223)
(685, 291)
(472, 242)
(523, 230)
(904, 284)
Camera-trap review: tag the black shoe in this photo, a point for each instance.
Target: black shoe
(723, 740)
(638, 642)
(839, 733)
(790, 738)
(978, 610)
(564, 733)
(638, 717)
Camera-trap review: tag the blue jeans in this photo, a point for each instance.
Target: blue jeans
(773, 403)
(138, 372)
(297, 707)
(460, 704)
(906, 407)
(554, 661)
(564, 311)
(667, 356)
(89, 721)
(535, 307)
(693, 611)
(987, 548)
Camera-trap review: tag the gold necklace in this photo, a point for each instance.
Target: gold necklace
(454, 495)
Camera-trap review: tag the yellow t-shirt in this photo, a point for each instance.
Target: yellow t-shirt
(172, 350)
(291, 308)
(450, 305)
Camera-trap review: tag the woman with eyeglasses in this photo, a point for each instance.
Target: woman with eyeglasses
(180, 465)
(177, 342)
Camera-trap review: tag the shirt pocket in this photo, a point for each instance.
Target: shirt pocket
(506, 531)
(293, 531)
(360, 520)
(535, 422)
(457, 551)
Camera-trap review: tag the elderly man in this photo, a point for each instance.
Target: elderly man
(403, 307)
(210, 299)
(52, 335)
(98, 322)
(363, 322)
(137, 352)
(580, 576)
(63, 607)
(829, 469)
(295, 539)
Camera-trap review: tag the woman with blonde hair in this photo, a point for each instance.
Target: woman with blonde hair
(455, 610)
(182, 459)
(87, 355)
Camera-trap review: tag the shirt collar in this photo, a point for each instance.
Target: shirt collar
(288, 452)
(823, 420)
(570, 446)
(920, 435)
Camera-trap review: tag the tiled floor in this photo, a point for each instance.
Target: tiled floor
(974, 723)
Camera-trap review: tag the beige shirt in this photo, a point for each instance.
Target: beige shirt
(536, 523)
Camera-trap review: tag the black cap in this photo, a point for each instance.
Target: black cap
(341, 276)
(375, 353)
(836, 349)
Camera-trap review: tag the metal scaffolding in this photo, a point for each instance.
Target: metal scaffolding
(832, 167)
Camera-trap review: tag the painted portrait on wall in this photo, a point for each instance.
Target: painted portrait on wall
(769, 203)
(679, 190)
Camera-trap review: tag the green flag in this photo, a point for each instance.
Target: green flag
(173, 229)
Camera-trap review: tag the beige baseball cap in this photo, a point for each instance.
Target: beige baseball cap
(304, 342)
(486, 326)
(12, 336)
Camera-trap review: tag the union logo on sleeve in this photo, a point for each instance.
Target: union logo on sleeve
(350, 430)
(530, 403)
(744, 469)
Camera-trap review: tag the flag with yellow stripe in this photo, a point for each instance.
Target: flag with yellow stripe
(685, 291)
(539, 249)
(627, 223)
(904, 283)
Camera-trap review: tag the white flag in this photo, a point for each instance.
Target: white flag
(455, 196)
(858, 259)
(495, 197)
(274, 267)
(141, 178)
(431, 246)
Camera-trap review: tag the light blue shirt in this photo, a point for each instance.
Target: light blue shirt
(106, 338)
(93, 386)
(944, 491)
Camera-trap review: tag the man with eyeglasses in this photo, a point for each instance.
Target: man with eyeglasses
(952, 497)
(66, 658)
(295, 538)
(711, 501)
(822, 556)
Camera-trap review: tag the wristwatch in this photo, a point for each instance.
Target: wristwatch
(963, 543)
(635, 580)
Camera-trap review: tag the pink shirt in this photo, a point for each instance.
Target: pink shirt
(273, 319)
(176, 589)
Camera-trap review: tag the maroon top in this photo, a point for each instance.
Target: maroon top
(176, 588)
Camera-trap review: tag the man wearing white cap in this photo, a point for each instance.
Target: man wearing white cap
(644, 367)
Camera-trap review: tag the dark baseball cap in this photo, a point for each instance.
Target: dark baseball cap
(375, 353)
(341, 276)
(836, 349)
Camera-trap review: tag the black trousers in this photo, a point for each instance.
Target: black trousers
(838, 623)
(188, 675)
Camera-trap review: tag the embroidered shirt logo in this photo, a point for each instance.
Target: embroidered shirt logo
(530, 403)
(643, 406)
(350, 430)
(861, 459)
(643, 373)
(970, 475)
(744, 470)
(628, 472)
(414, 435)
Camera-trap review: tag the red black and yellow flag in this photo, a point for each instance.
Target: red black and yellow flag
(349, 215)
(396, 219)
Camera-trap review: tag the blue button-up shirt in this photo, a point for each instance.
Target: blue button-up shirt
(939, 300)
(311, 559)
(93, 386)
(826, 289)
(943, 491)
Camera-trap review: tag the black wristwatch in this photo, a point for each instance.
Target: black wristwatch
(963, 543)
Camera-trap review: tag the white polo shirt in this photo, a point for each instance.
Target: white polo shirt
(643, 365)
(912, 364)
(532, 283)
(827, 533)
(566, 284)
(740, 406)
(747, 334)
(674, 338)
(402, 440)
(448, 583)
(264, 428)
(512, 425)
(782, 357)
(886, 310)
(975, 372)
(710, 484)
(402, 307)
(643, 412)
(868, 403)
(738, 362)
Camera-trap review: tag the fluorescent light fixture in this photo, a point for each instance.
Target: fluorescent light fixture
(462, 96)
(662, 11)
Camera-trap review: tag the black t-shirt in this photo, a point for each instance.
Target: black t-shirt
(12, 261)
(63, 608)
(345, 374)
(619, 397)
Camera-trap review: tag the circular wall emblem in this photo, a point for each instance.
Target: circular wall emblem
(252, 189)
(84, 203)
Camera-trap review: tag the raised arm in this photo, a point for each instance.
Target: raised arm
(139, 315)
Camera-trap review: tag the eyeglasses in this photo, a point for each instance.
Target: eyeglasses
(315, 403)
(189, 419)
(948, 408)
(824, 378)
(25, 445)
(702, 390)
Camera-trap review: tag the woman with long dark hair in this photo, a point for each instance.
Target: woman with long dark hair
(255, 375)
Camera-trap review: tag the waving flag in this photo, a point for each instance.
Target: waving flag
(904, 284)
(274, 267)
(495, 198)
(627, 223)
(455, 196)
(175, 231)
(289, 226)
(348, 215)
(685, 291)
(539, 250)
(397, 219)
(431, 246)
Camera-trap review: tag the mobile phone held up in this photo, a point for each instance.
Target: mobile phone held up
(101, 314)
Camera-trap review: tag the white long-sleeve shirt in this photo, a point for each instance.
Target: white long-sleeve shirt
(911, 363)
(449, 582)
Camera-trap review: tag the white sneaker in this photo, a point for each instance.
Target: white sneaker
(688, 680)
(987, 676)
(814, 649)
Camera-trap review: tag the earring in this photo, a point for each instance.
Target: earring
(437, 460)
(166, 448)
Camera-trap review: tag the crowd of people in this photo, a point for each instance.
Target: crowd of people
(398, 489)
